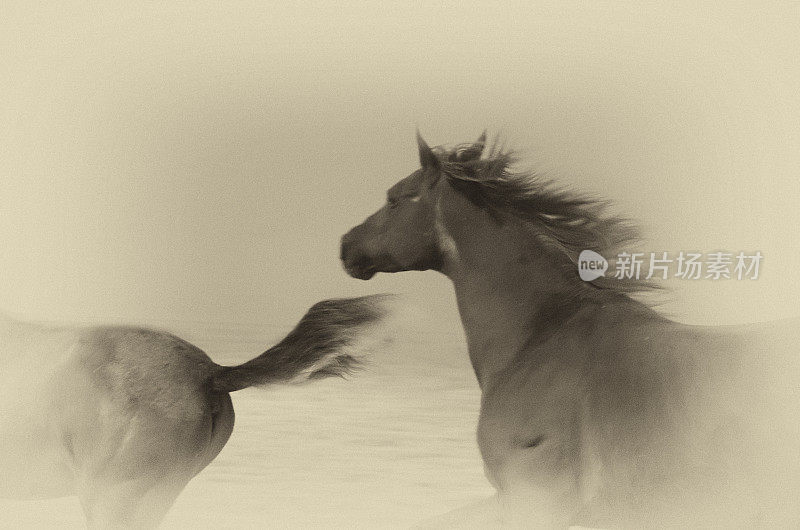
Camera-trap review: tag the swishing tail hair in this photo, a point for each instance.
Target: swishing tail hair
(324, 343)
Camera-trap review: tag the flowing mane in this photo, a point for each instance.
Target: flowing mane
(561, 218)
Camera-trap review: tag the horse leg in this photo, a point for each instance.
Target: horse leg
(529, 507)
(537, 487)
(140, 503)
(136, 487)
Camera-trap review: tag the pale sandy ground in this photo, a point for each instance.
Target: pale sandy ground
(392, 446)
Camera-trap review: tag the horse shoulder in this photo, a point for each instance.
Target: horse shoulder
(529, 434)
(546, 424)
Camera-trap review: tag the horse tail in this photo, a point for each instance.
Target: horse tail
(328, 341)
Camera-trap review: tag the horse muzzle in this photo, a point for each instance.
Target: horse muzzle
(355, 262)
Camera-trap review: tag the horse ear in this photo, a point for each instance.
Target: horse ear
(473, 151)
(481, 143)
(427, 158)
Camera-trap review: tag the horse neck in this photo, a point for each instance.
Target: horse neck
(499, 326)
(511, 291)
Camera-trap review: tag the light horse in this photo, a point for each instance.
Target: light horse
(595, 410)
(124, 417)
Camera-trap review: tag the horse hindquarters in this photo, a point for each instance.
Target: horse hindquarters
(138, 421)
(143, 499)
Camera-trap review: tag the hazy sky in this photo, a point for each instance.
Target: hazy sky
(200, 161)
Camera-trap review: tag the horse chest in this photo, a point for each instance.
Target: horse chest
(529, 423)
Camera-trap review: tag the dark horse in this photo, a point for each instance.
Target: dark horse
(125, 417)
(596, 410)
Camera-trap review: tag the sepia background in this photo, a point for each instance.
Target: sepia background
(193, 165)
